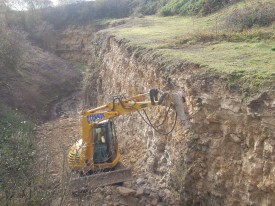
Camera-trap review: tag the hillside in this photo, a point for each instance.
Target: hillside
(242, 57)
(32, 82)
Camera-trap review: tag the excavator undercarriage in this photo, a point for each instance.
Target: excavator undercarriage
(117, 175)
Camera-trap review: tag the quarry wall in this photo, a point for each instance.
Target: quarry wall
(222, 155)
(225, 157)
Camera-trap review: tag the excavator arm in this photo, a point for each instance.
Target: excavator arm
(121, 106)
(117, 109)
(81, 156)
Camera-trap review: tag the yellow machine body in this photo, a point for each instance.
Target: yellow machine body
(81, 155)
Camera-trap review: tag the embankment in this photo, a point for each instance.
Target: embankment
(226, 157)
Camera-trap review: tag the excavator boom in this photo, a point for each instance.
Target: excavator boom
(96, 156)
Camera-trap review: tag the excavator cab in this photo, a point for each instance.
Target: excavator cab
(96, 156)
(105, 142)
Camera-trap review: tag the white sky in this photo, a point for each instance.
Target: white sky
(20, 7)
(55, 2)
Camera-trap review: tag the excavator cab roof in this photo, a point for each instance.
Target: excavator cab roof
(102, 123)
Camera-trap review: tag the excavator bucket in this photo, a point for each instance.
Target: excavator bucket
(119, 175)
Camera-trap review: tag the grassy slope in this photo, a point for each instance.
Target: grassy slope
(250, 57)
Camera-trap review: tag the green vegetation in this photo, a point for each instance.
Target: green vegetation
(41, 21)
(177, 7)
(192, 7)
(249, 65)
(258, 14)
(252, 35)
(10, 50)
(146, 7)
(85, 12)
(21, 183)
(31, 80)
(242, 57)
(81, 67)
(12, 122)
(16, 138)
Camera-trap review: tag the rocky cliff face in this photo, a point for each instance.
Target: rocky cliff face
(225, 157)
(222, 155)
(75, 43)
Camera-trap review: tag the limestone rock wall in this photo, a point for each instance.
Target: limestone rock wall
(74, 43)
(226, 157)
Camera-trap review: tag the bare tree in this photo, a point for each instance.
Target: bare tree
(37, 4)
(27, 4)
(65, 2)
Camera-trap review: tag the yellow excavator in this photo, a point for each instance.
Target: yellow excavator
(96, 156)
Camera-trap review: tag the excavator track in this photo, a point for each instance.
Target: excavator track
(119, 175)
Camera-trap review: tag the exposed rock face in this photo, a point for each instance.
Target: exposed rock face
(75, 43)
(227, 155)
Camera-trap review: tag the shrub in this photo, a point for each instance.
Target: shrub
(210, 6)
(252, 35)
(10, 48)
(12, 122)
(165, 12)
(12, 45)
(192, 7)
(147, 7)
(112, 9)
(86, 12)
(15, 154)
(259, 14)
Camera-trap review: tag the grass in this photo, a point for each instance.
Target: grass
(249, 53)
(81, 67)
(12, 122)
(229, 56)
(249, 66)
(16, 139)
(158, 30)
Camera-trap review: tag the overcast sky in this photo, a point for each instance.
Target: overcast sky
(19, 7)
(55, 2)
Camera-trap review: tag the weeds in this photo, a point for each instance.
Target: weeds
(252, 35)
(205, 41)
(27, 164)
(10, 48)
(81, 67)
(16, 155)
(261, 14)
(193, 7)
(12, 122)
